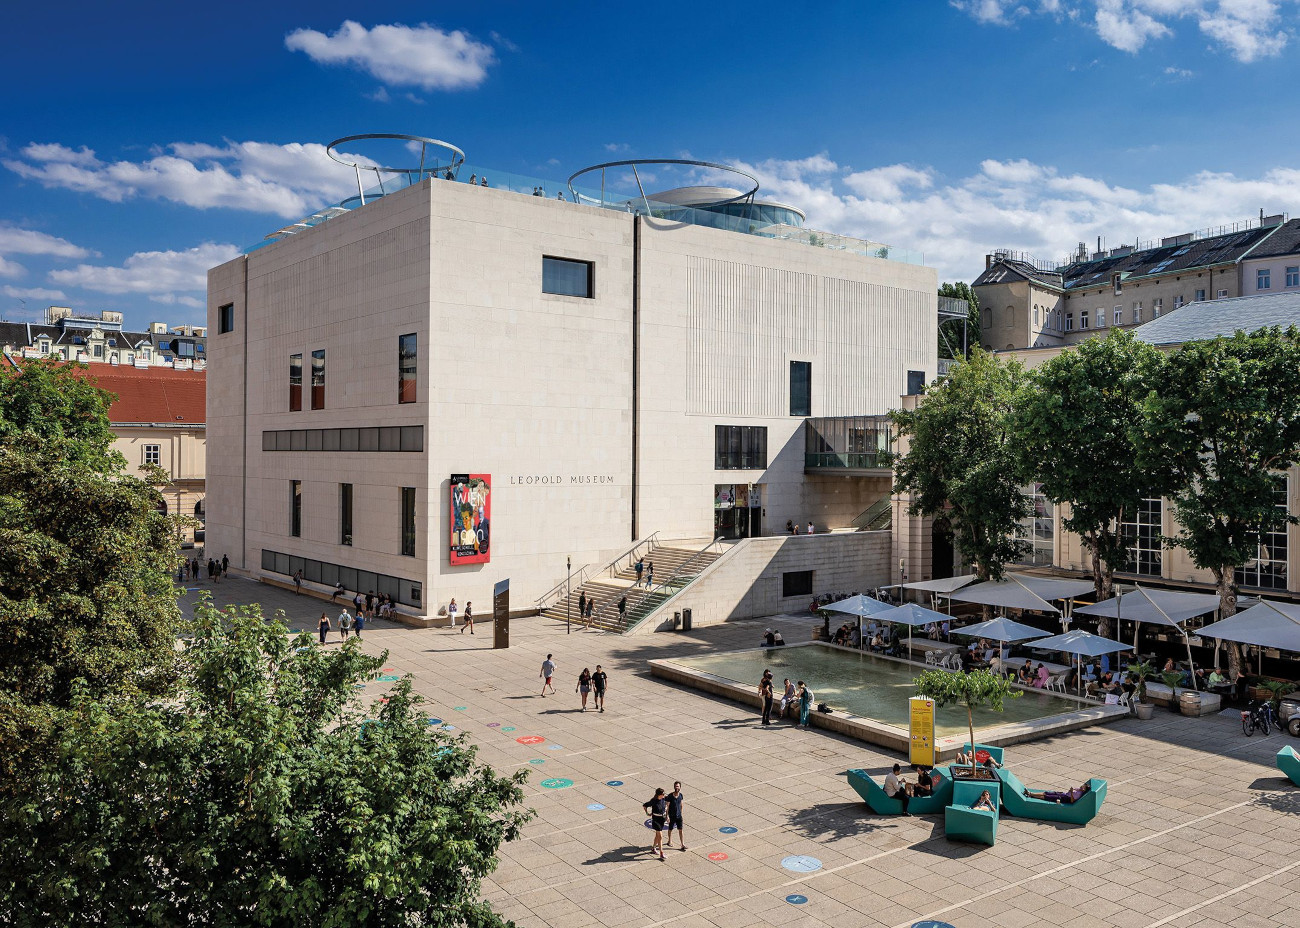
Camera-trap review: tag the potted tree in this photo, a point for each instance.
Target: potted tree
(1172, 679)
(971, 689)
(1140, 671)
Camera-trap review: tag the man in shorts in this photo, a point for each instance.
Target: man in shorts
(675, 815)
(599, 680)
(548, 671)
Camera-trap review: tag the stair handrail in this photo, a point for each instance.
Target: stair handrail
(586, 572)
(613, 568)
(682, 568)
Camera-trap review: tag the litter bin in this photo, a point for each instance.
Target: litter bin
(686, 620)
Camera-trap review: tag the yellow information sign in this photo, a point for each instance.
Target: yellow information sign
(921, 714)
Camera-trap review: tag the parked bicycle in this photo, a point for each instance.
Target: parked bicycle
(1259, 716)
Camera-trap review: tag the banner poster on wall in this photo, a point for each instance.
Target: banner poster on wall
(471, 513)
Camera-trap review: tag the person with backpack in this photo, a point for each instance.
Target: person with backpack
(345, 624)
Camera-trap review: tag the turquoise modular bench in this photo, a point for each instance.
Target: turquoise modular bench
(962, 823)
(1288, 761)
(873, 794)
(1080, 812)
(995, 753)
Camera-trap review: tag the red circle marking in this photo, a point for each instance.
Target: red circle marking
(718, 856)
(531, 739)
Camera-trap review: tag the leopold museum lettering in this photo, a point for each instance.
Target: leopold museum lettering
(556, 479)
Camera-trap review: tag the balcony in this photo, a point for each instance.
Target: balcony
(852, 446)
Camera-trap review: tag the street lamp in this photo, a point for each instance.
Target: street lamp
(568, 591)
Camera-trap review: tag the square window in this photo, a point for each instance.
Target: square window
(368, 440)
(225, 318)
(566, 277)
(412, 438)
(153, 454)
(349, 440)
(390, 438)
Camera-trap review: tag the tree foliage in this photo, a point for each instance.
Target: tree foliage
(970, 689)
(961, 463)
(950, 330)
(50, 402)
(1075, 436)
(258, 792)
(1221, 430)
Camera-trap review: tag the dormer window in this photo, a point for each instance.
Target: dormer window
(45, 346)
(1117, 282)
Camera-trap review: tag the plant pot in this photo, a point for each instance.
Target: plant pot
(1144, 710)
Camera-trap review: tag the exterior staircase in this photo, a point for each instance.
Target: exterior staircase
(676, 565)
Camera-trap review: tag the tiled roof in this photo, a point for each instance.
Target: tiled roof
(1000, 269)
(1207, 319)
(1285, 242)
(154, 394)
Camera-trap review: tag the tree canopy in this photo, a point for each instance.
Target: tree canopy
(258, 792)
(1218, 435)
(969, 689)
(961, 462)
(1076, 437)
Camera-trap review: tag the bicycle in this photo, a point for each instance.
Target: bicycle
(1259, 716)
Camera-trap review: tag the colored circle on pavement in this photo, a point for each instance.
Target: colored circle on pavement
(931, 924)
(796, 899)
(388, 678)
(449, 728)
(801, 863)
(649, 823)
(358, 686)
(555, 747)
(530, 739)
(613, 782)
(508, 728)
(459, 708)
(594, 807)
(494, 724)
(728, 829)
(718, 856)
(557, 783)
(434, 721)
(537, 760)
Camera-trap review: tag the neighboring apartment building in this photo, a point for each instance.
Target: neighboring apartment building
(102, 339)
(1028, 304)
(392, 379)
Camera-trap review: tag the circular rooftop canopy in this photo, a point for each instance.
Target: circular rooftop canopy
(728, 200)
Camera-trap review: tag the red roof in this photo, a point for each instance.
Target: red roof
(153, 394)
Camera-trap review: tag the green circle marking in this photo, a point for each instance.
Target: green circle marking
(557, 783)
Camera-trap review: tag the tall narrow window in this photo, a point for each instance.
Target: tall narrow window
(1264, 279)
(1293, 277)
(801, 388)
(295, 382)
(408, 521)
(1200, 295)
(225, 318)
(318, 379)
(1083, 319)
(295, 508)
(345, 513)
(406, 357)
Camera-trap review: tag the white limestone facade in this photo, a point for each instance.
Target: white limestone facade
(595, 416)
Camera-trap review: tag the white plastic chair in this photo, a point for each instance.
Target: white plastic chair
(931, 657)
(1056, 683)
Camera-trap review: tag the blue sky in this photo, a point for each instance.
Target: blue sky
(138, 150)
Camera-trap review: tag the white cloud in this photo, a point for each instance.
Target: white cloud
(1247, 29)
(1179, 73)
(33, 293)
(419, 56)
(18, 241)
(170, 277)
(1014, 204)
(285, 180)
(11, 268)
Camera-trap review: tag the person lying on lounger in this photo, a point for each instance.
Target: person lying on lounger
(964, 759)
(1051, 795)
(984, 802)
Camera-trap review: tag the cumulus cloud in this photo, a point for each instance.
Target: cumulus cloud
(1246, 29)
(171, 277)
(416, 56)
(1014, 204)
(11, 268)
(18, 241)
(285, 180)
(32, 293)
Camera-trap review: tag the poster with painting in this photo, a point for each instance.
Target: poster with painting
(471, 512)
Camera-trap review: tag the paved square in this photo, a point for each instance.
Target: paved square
(1198, 828)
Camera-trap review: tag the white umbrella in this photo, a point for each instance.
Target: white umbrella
(1268, 625)
(1001, 629)
(941, 587)
(911, 615)
(863, 606)
(1160, 607)
(1081, 643)
(1009, 594)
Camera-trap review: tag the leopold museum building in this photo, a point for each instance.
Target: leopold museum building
(450, 380)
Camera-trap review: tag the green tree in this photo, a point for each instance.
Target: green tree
(970, 689)
(1218, 435)
(950, 330)
(47, 401)
(258, 792)
(1074, 429)
(961, 463)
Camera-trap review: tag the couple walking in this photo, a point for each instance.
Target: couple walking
(641, 567)
(665, 811)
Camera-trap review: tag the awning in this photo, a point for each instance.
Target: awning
(1268, 625)
(1009, 594)
(1158, 607)
(943, 585)
(1001, 629)
(862, 606)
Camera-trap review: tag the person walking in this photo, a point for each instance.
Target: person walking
(650, 575)
(640, 569)
(591, 607)
(451, 612)
(599, 681)
(297, 583)
(469, 618)
(212, 569)
(805, 703)
(225, 563)
(622, 609)
(765, 692)
(370, 605)
(584, 687)
(548, 671)
(675, 815)
(358, 623)
(358, 602)
(345, 624)
(657, 809)
(324, 626)
(582, 604)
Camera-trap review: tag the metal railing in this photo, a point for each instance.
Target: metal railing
(879, 515)
(586, 572)
(654, 597)
(870, 460)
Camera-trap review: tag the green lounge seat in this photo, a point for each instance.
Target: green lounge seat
(1288, 761)
(1080, 812)
(873, 794)
(995, 753)
(962, 823)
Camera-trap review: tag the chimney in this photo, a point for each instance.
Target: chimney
(988, 262)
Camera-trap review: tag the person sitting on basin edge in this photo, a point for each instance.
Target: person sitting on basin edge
(985, 802)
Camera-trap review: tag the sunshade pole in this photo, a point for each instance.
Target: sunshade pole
(1190, 663)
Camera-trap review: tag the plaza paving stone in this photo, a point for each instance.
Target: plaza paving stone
(1198, 828)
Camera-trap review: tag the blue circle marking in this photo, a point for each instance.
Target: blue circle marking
(594, 807)
(555, 747)
(728, 829)
(613, 782)
(931, 924)
(796, 899)
(801, 863)
(449, 728)
(649, 823)
(537, 760)
(388, 678)
(434, 721)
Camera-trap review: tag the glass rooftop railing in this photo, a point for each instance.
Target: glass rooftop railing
(599, 198)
